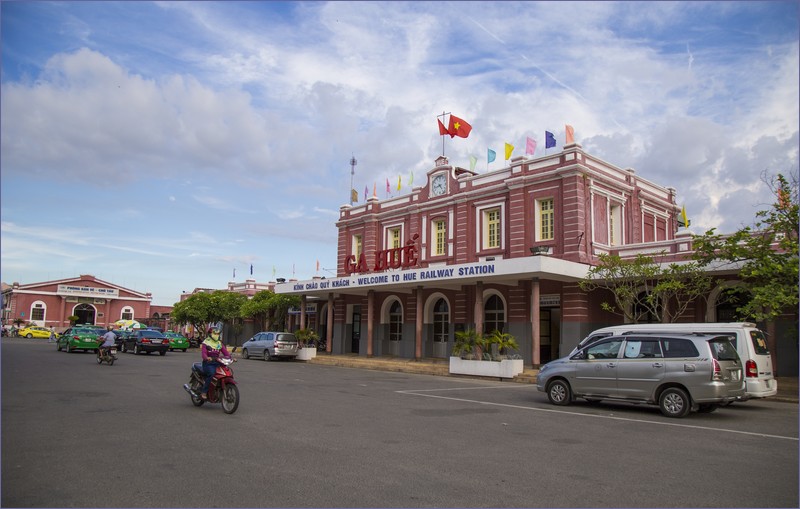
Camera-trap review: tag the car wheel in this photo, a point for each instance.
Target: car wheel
(136, 350)
(29, 335)
(245, 354)
(267, 356)
(162, 353)
(122, 348)
(559, 393)
(707, 408)
(184, 350)
(674, 402)
(68, 349)
(58, 346)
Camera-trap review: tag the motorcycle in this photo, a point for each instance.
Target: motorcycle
(223, 387)
(108, 354)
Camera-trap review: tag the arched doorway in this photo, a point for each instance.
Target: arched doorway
(85, 313)
(494, 315)
(395, 327)
(441, 328)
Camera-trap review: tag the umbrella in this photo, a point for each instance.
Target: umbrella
(128, 324)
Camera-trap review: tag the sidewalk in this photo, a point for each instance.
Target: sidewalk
(787, 386)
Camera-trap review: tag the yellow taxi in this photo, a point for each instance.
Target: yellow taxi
(35, 332)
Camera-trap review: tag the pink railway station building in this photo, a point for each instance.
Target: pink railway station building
(93, 301)
(498, 250)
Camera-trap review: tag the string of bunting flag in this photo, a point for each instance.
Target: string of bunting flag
(458, 127)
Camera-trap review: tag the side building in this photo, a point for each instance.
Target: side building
(93, 301)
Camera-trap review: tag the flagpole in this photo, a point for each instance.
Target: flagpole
(442, 115)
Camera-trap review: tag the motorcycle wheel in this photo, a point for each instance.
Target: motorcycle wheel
(196, 400)
(230, 399)
(99, 360)
(111, 361)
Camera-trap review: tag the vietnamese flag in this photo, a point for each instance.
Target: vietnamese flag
(442, 128)
(458, 127)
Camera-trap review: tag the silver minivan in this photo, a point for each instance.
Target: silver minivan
(268, 345)
(749, 341)
(677, 372)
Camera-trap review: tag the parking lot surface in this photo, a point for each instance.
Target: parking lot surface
(311, 435)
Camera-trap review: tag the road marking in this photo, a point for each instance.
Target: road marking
(581, 414)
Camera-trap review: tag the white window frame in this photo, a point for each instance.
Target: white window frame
(540, 216)
(482, 239)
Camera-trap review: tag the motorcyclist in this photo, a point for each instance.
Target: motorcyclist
(109, 340)
(212, 348)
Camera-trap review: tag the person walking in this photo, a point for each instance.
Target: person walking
(53, 338)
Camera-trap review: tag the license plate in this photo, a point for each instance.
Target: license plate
(735, 375)
(113, 351)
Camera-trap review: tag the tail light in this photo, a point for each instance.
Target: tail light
(717, 376)
(145, 340)
(751, 369)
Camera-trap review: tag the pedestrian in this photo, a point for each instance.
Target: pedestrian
(52, 335)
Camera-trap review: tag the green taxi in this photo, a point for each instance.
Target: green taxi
(79, 338)
(177, 341)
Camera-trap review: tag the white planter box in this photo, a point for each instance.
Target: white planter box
(306, 354)
(508, 368)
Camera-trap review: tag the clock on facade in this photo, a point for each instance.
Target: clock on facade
(439, 184)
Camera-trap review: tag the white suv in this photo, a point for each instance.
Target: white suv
(677, 372)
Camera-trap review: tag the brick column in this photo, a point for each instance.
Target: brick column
(535, 323)
(329, 328)
(418, 329)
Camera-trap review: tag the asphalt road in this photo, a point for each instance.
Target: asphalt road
(78, 434)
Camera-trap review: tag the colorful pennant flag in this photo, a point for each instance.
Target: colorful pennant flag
(274, 270)
(317, 265)
(353, 196)
(458, 127)
(366, 192)
(411, 178)
(530, 146)
(683, 216)
(388, 189)
(374, 189)
(549, 140)
(251, 269)
(399, 184)
(442, 128)
(491, 155)
(234, 273)
(509, 149)
(570, 134)
(472, 162)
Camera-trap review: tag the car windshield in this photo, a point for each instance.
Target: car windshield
(723, 350)
(150, 334)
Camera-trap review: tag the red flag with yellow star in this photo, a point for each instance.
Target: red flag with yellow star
(458, 127)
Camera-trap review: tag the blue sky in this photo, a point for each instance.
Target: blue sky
(159, 146)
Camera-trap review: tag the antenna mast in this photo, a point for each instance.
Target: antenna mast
(353, 164)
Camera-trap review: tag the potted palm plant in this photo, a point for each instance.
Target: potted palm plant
(307, 340)
(485, 354)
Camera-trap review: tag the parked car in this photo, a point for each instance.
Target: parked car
(78, 338)
(677, 372)
(146, 340)
(33, 331)
(266, 345)
(177, 341)
(121, 335)
(749, 341)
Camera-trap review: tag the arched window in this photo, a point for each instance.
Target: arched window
(494, 315)
(728, 303)
(642, 313)
(396, 322)
(441, 321)
(127, 313)
(37, 311)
